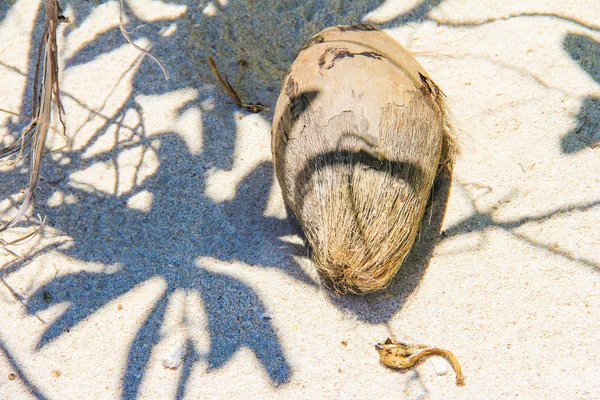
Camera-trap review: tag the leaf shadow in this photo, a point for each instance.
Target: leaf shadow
(484, 220)
(14, 364)
(586, 52)
(158, 244)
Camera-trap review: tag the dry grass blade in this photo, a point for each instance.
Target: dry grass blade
(224, 82)
(138, 48)
(19, 145)
(25, 238)
(231, 92)
(26, 136)
(15, 114)
(37, 130)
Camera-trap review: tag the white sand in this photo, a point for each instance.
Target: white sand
(170, 270)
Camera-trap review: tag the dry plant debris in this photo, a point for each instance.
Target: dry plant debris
(231, 92)
(138, 48)
(402, 356)
(45, 90)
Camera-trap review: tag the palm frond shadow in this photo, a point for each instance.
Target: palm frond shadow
(586, 52)
(14, 364)
(157, 244)
(482, 221)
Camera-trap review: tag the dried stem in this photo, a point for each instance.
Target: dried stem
(224, 82)
(37, 130)
(447, 354)
(138, 48)
(231, 92)
(15, 114)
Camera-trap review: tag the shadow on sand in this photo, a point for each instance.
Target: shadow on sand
(183, 223)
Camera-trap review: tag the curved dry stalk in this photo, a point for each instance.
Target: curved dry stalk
(231, 92)
(25, 238)
(448, 355)
(138, 48)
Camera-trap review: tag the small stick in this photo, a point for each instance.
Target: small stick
(447, 354)
(224, 82)
(15, 114)
(138, 48)
(230, 91)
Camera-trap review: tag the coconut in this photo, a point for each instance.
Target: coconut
(360, 132)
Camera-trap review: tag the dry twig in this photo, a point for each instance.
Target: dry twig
(138, 48)
(231, 92)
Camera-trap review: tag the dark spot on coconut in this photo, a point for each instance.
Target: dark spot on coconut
(357, 27)
(299, 104)
(282, 131)
(314, 40)
(344, 54)
(291, 88)
(429, 87)
(427, 84)
(323, 58)
(339, 53)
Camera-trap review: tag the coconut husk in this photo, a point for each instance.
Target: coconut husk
(360, 132)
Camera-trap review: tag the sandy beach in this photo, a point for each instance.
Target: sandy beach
(169, 269)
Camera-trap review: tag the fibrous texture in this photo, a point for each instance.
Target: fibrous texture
(359, 134)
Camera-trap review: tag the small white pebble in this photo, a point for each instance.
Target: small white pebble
(174, 356)
(210, 10)
(440, 365)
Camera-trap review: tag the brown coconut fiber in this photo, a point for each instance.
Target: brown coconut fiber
(360, 132)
